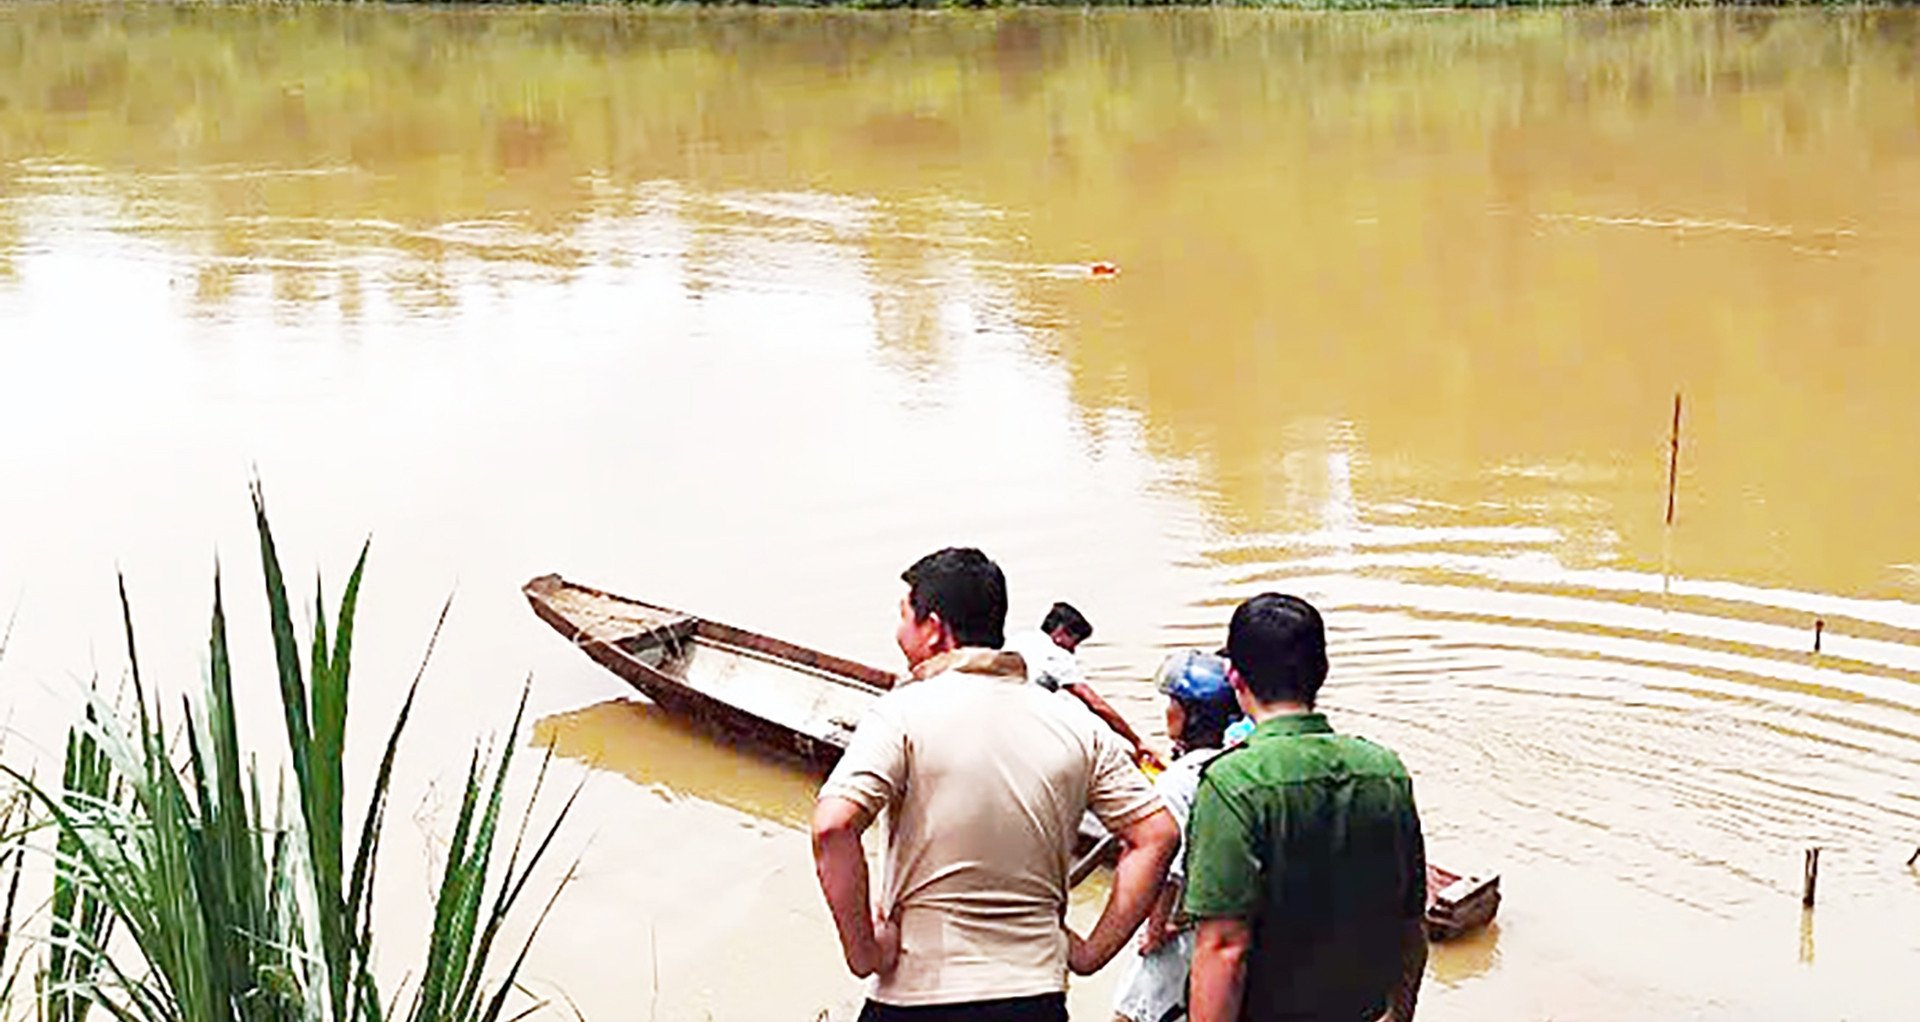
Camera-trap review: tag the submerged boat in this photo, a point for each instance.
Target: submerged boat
(805, 703)
(1458, 905)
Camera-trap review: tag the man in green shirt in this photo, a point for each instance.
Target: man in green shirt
(1305, 868)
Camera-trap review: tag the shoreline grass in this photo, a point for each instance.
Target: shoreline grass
(187, 887)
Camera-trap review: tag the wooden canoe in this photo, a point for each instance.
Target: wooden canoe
(788, 698)
(805, 703)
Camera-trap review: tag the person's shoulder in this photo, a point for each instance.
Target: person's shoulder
(1029, 643)
(907, 697)
(1183, 774)
(1236, 763)
(1372, 757)
(1195, 760)
(1047, 664)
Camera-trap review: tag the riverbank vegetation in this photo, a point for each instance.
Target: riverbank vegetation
(185, 883)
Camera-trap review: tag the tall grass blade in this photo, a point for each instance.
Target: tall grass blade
(444, 953)
(181, 894)
(6, 635)
(80, 920)
(499, 1001)
(13, 857)
(286, 650)
(366, 1005)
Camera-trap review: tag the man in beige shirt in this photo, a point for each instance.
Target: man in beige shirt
(984, 779)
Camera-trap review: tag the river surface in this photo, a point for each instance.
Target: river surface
(742, 312)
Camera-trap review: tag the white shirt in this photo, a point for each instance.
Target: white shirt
(1048, 666)
(984, 780)
(1177, 787)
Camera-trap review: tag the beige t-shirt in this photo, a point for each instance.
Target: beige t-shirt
(985, 779)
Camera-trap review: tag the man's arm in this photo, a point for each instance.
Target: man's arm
(1147, 846)
(1226, 873)
(842, 867)
(1105, 711)
(868, 778)
(1413, 966)
(1219, 970)
(1160, 926)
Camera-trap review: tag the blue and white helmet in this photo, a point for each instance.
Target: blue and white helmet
(1198, 682)
(1196, 679)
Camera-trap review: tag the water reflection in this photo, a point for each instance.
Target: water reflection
(1453, 237)
(705, 306)
(677, 759)
(1465, 958)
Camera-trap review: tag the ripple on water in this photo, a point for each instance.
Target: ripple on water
(1681, 731)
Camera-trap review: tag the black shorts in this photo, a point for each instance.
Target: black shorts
(1038, 1008)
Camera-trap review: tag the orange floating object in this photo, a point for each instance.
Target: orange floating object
(1104, 270)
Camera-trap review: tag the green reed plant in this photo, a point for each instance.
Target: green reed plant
(80, 921)
(13, 855)
(182, 893)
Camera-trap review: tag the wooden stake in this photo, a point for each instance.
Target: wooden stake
(1811, 877)
(1915, 857)
(1673, 458)
(1819, 626)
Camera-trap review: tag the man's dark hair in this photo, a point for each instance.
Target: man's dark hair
(966, 589)
(1278, 645)
(1063, 615)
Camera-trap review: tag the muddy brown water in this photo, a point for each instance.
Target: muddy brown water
(742, 312)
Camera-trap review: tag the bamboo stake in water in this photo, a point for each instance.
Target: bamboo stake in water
(1819, 625)
(1673, 481)
(1811, 877)
(1673, 459)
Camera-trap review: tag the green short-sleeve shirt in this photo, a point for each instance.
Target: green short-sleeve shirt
(1312, 838)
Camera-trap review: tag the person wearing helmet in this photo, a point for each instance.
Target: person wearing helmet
(1200, 708)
